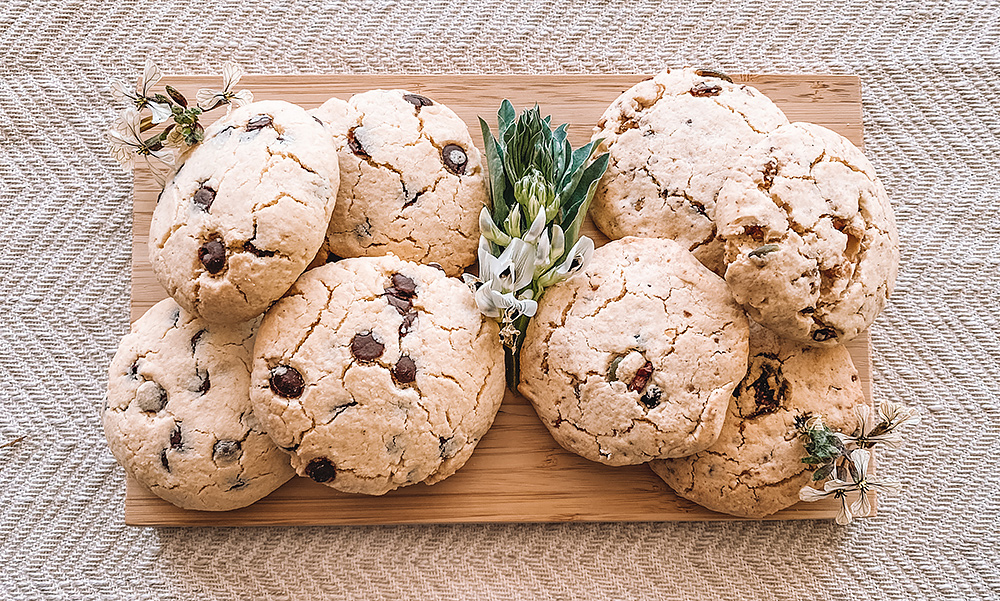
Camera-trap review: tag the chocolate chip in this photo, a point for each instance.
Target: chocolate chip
(226, 451)
(404, 286)
(417, 100)
(318, 120)
(405, 370)
(355, 145)
(206, 383)
(407, 326)
(651, 398)
(824, 334)
(403, 305)
(163, 460)
(641, 377)
(196, 339)
(321, 469)
(176, 441)
(769, 388)
(212, 255)
(259, 122)
(702, 89)
(204, 198)
(437, 266)
(151, 397)
(364, 347)
(454, 158)
(287, 382)
(713, 73)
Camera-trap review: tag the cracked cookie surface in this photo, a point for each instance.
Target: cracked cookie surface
(755, 468)
(811, 243)
(412, 181)
(636, 357)
(245, 212)
(178, 415)
(672, 139)
(377, 373)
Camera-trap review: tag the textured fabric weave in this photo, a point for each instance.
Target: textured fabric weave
(931, 78)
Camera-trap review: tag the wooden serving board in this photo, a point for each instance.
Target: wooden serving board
(518, 473)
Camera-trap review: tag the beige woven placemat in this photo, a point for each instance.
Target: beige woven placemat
(931, 77)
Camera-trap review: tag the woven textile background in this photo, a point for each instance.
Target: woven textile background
(931, 78)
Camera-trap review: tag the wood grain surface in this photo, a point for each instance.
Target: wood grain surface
(518, 473)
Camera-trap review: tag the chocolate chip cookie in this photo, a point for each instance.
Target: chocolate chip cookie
(671, 139)
(178, 415)
(377, 373)
(636, 357)
(411, 180)
(811, 244)
(245, 212)
(755, 468)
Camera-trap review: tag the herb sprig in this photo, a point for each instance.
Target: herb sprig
(540, 189)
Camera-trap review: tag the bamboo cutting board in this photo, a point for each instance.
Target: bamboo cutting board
(518, 473)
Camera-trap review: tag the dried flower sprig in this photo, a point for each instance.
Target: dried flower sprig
(842, 460)
(540, 189)
(130, 136)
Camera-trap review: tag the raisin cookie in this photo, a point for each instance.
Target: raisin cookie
(377, 373)
(671, 140)
(811, 243)
(245, 212)
(636, 358)
(755, 468)
(411, 180)
(178, 415)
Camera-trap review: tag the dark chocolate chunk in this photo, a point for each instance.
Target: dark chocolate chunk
(769, 388)
(404, 286)
(641, 377)
(250, 248)
(259, 122)
(407, 326)
(163, 460)
(212, 255)
(405, 370)
(287, 382)
(436, 266)
(204, 198)
(226, 451)
(402, 304)
(206, 383)
(417, 100)
(454, 158)
(176, 441)
(824, 334)
(703, 88)
(321, 469)
(651, 398)
(364, 347)
(355, 145)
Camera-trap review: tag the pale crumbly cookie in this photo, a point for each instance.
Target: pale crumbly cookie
(636, 358)
(755, 468)
(377, 373)
(811, 243)
(671, 139)
(411, 180)
(178, 415)
(245, 212)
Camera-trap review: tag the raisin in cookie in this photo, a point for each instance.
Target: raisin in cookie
(245, 212)
(178, 414)
(755, 468)
(636, 358)
(377, 373)
(411, 180)
(811, 243)
(671, 139)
